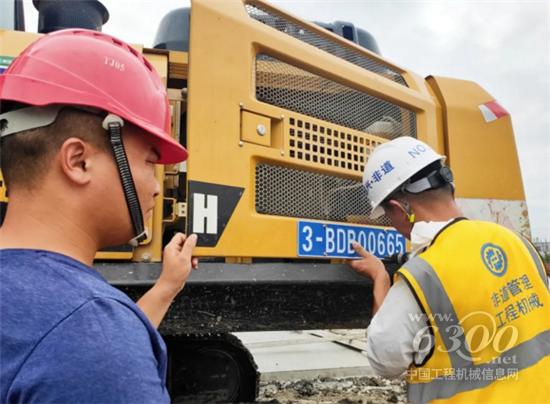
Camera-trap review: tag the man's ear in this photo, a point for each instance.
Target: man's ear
(404, 207)
(395, 204)
(74, 158)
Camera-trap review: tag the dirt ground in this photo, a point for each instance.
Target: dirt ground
(362, 390)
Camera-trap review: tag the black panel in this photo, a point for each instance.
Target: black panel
(227, 198)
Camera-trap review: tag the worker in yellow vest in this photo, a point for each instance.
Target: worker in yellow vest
(468, 317)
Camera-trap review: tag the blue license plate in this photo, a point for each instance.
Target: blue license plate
(330, 240)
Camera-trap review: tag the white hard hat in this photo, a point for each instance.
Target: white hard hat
(392, 164)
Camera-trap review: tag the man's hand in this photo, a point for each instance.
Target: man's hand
(177, 263)
(176, 267)
(373, 268)
(369, 265)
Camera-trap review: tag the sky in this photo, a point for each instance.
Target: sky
(502, 45)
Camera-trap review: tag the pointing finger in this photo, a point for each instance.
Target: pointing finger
(360, 250)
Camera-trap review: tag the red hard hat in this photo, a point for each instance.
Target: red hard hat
(89, 68)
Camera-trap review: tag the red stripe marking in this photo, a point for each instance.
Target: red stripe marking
(496, 109)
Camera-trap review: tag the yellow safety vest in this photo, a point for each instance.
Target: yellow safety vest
(484, 293)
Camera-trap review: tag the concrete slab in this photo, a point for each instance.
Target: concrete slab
(292, 355)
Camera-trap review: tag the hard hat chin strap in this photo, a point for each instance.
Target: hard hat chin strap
(113, 125)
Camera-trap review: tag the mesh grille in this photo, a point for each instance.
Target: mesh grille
(287, 86)
(303, 33)
(316, 143)
(283, 191)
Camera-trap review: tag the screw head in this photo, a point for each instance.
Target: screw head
(261, 130)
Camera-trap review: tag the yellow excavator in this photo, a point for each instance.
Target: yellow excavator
(279, 116)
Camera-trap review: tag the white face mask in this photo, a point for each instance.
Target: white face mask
(423, 233)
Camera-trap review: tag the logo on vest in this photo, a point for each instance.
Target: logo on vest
(494, 258)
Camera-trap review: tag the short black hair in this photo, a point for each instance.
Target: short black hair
(25, 157)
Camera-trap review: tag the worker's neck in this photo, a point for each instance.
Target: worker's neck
(437, 212)
(44, 226)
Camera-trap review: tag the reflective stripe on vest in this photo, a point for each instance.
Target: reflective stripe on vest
(439, 302)
(536, 258)
(526, 354)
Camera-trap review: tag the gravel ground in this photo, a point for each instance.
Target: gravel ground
(361, 390)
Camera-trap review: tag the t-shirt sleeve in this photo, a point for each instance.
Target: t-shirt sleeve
(101, 353)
